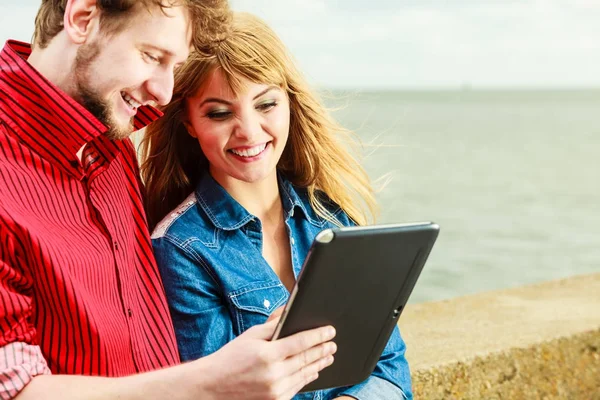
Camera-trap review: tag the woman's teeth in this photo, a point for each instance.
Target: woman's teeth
(251, 152)
(130, 100)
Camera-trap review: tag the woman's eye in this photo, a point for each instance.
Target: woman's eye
(266, 106)
(218, 115)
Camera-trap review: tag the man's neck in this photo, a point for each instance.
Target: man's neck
(55, 62)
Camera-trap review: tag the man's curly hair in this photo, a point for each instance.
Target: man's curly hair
(209, 18)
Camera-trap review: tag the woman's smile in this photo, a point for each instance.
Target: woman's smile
(250, 153)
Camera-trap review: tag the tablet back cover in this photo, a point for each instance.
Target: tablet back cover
(358, 280)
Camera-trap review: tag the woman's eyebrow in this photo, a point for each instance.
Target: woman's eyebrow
(265, 91)
(226, 102)
(215, 100)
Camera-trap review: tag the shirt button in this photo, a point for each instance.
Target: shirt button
(116, 245)
(292, 241)
(129, 313)
(267, 303)
(74, 163)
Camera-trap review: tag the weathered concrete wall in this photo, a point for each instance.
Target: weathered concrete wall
(534, 342)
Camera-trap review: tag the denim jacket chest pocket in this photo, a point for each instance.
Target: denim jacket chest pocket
(252, 304)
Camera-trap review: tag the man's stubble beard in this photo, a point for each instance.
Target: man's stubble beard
(88, 97)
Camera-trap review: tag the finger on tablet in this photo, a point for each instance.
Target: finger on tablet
(276, 314)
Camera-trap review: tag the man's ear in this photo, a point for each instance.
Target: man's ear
(81, 18)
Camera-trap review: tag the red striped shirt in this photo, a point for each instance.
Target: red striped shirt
(77, 273)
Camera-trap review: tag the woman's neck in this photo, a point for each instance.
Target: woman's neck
(260, 199)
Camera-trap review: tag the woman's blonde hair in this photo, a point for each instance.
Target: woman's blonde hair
(318, 155)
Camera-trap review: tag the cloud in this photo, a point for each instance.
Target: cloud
(435, 43)
(285, 11)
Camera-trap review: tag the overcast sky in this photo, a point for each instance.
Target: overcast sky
(420, 43)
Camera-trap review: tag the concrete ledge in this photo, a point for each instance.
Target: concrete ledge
(534, 342)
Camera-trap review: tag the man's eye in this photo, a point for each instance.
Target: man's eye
(266, 106)
(151, 58)
(218, 115)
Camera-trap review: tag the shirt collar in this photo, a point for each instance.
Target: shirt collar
(43, 116)
(227, 214)
(222, 209)
(294, 198)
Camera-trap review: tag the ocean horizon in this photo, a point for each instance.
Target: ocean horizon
(511, 176)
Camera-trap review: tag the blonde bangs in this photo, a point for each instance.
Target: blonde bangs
(252, 53)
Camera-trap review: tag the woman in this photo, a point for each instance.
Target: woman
(244, 169)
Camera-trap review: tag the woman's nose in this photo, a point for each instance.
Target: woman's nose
(249, 127)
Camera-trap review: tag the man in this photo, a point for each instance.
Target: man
(79, 291)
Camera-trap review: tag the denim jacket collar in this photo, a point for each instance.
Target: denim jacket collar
(291, 199)
(227, 214)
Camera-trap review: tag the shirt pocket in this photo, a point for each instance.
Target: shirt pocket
(253, 303)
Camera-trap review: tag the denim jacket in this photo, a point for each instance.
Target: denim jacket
(209, 253)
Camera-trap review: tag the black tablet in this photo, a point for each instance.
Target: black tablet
(357, 279)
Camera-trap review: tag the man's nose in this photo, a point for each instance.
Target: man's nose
(160, 87)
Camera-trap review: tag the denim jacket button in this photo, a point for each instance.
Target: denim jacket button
(267, 303)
